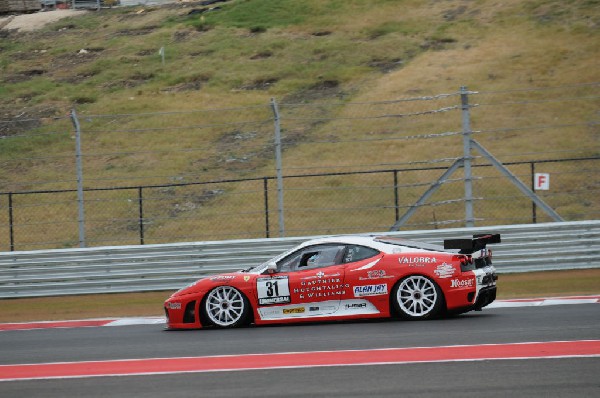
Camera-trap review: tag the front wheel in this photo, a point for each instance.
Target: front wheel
(417, 297)
(226, 307)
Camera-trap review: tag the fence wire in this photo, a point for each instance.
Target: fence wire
(348, 167)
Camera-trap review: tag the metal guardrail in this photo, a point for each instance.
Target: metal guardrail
(524, 248)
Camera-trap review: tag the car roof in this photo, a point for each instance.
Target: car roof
(386, 244)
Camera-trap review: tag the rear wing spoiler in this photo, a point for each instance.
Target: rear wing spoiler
(468, 246)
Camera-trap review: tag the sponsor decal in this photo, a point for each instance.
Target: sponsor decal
(356, 306)
(269, 312)
(174, 306)
(297, 310)
(376, 274)
(329, 281)
(274, 300)
(319, 288)
(417, 261)
(370, 290)
(462, 283)
(222, 278)
(444, 270)
(273, 290)
(246, 278)
(313, 309)
(320, 275)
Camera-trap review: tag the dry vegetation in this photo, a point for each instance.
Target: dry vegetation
(247, 52)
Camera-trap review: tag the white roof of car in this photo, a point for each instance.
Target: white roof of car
(381, 243)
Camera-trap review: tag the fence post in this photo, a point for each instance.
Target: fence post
(141, 214)
(79, 167)
(10, 222)
(533, 205)
(396, 199)
(466, 130)
(266, 192)
(278, 167)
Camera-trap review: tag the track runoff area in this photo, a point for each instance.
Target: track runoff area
(289, 360)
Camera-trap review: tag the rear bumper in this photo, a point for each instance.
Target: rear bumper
(485, 297)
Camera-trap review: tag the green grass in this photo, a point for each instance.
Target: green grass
(311, 52)
(529, 285)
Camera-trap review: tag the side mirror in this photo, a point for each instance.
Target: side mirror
(272, 268)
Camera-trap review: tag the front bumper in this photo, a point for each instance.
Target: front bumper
(182, 314)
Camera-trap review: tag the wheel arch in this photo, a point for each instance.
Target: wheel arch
(394, 312)
(203, 317)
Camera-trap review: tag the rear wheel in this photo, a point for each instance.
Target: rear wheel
(226, 307)
(417, 297)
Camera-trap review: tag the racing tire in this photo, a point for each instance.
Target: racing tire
(226, 307)
(417, 297)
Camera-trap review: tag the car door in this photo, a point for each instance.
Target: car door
(368, 280)
(308, 283)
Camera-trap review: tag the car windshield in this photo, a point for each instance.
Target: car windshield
(262, 266)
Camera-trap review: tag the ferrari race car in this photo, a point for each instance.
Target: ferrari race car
(344, 277)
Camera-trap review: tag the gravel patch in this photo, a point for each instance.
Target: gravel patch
(30, 22)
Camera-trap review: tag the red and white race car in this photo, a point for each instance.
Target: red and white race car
(344, 277)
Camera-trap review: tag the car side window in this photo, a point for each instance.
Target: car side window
(312, 257)
(357, 253)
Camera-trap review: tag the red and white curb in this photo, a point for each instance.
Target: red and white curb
(544, 301)
(161, 320)
(86, 323)
(291, 360)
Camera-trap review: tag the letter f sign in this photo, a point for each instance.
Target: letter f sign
(542, 181)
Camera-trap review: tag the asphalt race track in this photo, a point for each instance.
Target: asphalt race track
(558, 376)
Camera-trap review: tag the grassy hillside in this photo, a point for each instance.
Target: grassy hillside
(309, 52)
(252, 50)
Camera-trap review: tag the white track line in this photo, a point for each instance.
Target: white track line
(515, 303)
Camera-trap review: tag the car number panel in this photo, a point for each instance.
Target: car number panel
(273, 290)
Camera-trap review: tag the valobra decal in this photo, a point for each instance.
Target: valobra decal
(417, 261)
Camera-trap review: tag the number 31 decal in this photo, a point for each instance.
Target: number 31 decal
(273, 290)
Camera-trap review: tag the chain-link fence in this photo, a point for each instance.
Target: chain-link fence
(346, 167)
